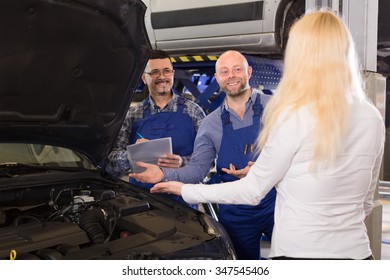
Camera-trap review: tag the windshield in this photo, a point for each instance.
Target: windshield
(42, 155)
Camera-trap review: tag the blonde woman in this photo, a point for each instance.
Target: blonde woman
(321, 146)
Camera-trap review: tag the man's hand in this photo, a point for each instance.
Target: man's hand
(170, 161)
(153, 174)
(171, 187)
(141, 140)
(241, 173)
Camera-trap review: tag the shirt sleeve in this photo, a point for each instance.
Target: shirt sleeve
(369, 199)
(270, 167)
(202, 159)
(118, 162)
(196, 113)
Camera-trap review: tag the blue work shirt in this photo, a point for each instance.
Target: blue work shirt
(208, 142)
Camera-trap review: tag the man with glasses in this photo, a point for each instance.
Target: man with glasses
(161, 114)
(227, 135)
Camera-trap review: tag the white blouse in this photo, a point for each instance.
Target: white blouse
(318, 214)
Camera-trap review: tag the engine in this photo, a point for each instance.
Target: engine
(83, 223)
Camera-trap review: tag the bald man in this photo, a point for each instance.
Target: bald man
(227, 136)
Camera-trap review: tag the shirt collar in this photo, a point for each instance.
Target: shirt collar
(153, 105)
(251, 99)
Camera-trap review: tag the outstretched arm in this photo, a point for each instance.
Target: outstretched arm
(153, 174)
(171, 187)
(271, 166)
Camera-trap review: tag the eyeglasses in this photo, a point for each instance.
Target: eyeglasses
(156, 72)
(225, 72)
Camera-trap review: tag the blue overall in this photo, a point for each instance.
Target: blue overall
(245, 224)
(177, 125)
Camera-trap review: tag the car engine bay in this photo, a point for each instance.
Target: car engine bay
(98, 221)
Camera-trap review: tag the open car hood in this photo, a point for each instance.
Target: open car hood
(69, 70)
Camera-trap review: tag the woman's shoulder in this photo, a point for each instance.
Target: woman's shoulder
(295, 114)
(362, 108)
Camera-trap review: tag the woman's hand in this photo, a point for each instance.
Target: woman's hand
(171, 187)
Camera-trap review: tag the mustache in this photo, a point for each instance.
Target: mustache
(162, 81)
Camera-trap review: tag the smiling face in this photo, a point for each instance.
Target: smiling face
(160, 83)
(233, 73)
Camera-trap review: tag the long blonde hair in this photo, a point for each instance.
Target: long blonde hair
(321, 72)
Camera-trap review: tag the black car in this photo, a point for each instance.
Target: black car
(68, 72)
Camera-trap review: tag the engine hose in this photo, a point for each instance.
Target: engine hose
(92, 222)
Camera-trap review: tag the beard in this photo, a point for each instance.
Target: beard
(164, 92)
(236, 92)
(163, 87)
